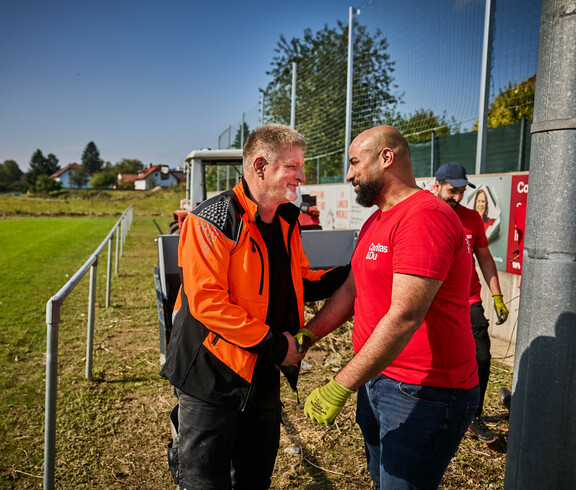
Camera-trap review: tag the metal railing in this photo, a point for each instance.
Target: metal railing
(53, 319)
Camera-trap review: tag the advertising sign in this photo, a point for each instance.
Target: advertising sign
(500, 200)
(518, 198)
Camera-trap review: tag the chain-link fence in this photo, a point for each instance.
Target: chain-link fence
(417, 65)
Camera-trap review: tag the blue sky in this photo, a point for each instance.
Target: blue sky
(151, 80)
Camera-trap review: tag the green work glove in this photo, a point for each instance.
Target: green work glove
(304, 340)
(500, 307)
(324, 403)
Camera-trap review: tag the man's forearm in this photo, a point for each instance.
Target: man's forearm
(337, 310)
(411, 299)
(489, 272)
(385, 344)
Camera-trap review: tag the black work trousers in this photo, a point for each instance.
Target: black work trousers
(223, 447)
(482, 338)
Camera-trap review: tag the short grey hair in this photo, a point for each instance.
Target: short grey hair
(268, 141)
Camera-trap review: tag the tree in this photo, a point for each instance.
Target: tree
(51, 164)
(103, 179)
(513, 103)
(418, 127)
(79, 176)
(45, 185)
(91, 159)
(41, 165)
(128, 166)
(321, 59)
(10, 175)
(238, 141)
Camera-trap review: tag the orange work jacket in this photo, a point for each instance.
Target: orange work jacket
(219, 328)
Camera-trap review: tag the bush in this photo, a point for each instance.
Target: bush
(45, 185)
(103, 180)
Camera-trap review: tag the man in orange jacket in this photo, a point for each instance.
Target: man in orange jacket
(244, 276)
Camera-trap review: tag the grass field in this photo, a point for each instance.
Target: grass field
(112, 431)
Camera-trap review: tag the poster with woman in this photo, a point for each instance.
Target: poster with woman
(485, 201)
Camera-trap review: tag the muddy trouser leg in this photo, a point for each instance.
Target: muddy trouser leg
(206, 432)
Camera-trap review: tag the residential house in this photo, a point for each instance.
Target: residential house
(153, 176)
(63, 176)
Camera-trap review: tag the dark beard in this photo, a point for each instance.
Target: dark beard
(367, 193)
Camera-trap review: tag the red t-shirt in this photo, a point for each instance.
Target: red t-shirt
(476, 235)
(420, 236)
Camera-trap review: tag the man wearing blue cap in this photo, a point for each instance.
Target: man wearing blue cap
(451, 182)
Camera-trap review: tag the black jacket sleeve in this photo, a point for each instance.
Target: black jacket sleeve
(328, 283)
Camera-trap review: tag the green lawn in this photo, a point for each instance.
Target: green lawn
(39, 256)
(99, 421)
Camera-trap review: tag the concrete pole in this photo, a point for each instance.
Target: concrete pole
(542, 437)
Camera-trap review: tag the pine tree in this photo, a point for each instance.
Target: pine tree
(41, 165)
(91, 159)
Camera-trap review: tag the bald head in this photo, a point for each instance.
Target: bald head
(380, 137)
(380, 167)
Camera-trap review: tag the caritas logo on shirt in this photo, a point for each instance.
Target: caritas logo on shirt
(375, 249)
(469, 241)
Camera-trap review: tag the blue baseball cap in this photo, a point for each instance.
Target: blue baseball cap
(453, 173)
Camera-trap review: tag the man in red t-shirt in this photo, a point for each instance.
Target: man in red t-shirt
(414, 365)
(451, 182)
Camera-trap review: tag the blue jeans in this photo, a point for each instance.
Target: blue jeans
(411, 432)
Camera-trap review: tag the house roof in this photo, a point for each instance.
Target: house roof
(179, 174)
(144, 174)
(68, 167)
(148, 171)
(128, 177)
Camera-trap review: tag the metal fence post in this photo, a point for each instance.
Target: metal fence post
(121, 237)
(293, 99)
(242, 135)
(522, 143)
(109, 273)
(349, 82)
(52, 312)
(91, 309)
(433, 153)
(485, 87)
(117, 254)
